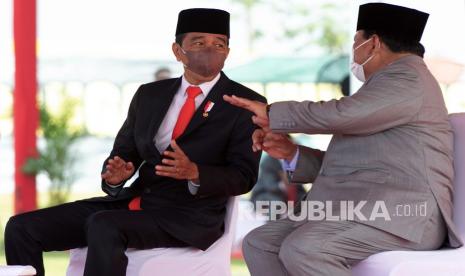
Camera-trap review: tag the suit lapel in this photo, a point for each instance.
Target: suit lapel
(161, 106)
(215, 96)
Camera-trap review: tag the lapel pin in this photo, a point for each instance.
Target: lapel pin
(207, 108)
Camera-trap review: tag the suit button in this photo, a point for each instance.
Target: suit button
(147, 190)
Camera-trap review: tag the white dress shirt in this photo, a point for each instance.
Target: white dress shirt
(289, 167)
(162, 138)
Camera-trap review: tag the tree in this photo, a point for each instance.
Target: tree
(252, 33)
(320, 24)
(56, 159)
(304, 23)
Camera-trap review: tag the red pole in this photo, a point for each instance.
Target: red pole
(25, 111)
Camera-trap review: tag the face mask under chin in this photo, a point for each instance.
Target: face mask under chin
(206, 62)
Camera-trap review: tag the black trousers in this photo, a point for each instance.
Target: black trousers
(106, 228)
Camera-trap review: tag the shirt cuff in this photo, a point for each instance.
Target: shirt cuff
(193, 188)
(290, 166)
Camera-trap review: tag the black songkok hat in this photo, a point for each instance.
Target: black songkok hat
(199, 20)
(398, 22)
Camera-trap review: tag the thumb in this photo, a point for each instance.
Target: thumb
(260, 121)
(257, 136)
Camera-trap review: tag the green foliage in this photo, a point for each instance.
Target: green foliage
(253, 33)
(56, 159)
(248, 4)
(305, 23)
(320, 25)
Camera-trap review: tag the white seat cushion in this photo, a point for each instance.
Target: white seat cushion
(444, 262)
(175, 261)
(17, 270)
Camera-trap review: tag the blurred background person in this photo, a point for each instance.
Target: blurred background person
(162, 73)
(273, 183)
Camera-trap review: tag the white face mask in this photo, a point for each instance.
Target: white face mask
(357, 69)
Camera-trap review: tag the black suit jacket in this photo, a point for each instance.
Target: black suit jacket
(219, 144)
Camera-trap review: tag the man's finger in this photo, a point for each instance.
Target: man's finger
(117, 159)
(237, 101)
(257, 145)
(230, 100)
(105, 175)
(276, 146)
(254, 149)
(115, 165)
(176, 148)
(129, 166)
(257, 139)
(161, 168)
(169, 162)
(116, 162)
(172, 154)
(272, 144)
(110, 169)
(258, 134)
(272, 137)
(245, 103)
(261, 122)
(168, 174)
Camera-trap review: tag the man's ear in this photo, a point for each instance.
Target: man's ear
(376, 42)
(176, 51)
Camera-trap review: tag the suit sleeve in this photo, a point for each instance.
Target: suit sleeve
(124, 146)
(240, 173)
(389, 99)
(308, 166)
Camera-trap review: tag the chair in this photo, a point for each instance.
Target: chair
(17, 270)
(444, 262)
(216, 260)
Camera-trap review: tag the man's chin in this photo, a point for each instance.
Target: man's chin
(202, 77)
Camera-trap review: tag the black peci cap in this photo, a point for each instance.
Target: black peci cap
(200, 20)
(398, 22)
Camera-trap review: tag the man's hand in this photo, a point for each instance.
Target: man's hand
(258, 108)
(117, 170)
(278, 146)
(257, 139)
(179, 167)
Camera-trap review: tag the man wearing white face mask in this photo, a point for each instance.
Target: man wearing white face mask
(391, 150)
(357, 69)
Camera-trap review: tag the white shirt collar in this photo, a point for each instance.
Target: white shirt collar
(206, 86)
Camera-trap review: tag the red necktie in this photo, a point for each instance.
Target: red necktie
(185, 115)
(187, 111)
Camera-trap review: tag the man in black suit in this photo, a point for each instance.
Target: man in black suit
(192, 151)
